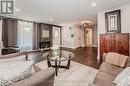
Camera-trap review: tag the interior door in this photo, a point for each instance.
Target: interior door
(77, 38)
(88, 37)
(56, 36)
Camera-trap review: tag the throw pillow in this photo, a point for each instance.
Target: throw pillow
(125, 73)
(5, 83)
(124, 82)
(116, 59)
(15, 71)
(17, 58)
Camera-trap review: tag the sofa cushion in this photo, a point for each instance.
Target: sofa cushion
(110, 69)
(122, 75)
(103, 79)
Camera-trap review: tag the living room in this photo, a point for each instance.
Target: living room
(64, 43)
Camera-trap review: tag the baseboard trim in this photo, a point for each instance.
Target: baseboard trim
(68, 47)
(91, 46)
(98, 58)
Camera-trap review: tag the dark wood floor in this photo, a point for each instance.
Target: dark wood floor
(86, 56)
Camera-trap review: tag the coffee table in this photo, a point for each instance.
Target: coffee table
(58, 56)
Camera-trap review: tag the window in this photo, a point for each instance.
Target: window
(25, 38)
(45, 33)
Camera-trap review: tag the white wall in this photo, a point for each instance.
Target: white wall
(77, 36)
(82, 37)
(95, 35)
(125, 21)
(72, 42)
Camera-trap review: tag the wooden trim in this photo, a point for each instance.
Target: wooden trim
(129, 44)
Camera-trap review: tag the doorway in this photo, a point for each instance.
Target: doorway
(88, 37)
(56, 36)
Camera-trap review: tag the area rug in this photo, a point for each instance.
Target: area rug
(77, 75)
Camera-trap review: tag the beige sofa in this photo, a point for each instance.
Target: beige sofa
(107, 74)
(40, 78)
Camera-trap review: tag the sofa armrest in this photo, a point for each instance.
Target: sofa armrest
(104, 56)
(36, 68)
(93, 85)
(110, 69)
(13, 55)
(41, 78)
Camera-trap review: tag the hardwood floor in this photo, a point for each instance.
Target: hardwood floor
(86, 56)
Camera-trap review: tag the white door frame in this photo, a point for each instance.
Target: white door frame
(59, 34)
(88, 38)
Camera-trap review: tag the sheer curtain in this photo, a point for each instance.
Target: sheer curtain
(25, 35)
(36, 36)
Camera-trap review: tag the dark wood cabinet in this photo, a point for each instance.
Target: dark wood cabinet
(118, 43)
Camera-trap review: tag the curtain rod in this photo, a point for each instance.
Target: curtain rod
(28, 21)
(5, 17)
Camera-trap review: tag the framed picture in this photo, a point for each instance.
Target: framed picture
(113, 21)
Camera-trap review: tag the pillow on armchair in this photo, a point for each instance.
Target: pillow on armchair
(116, 59)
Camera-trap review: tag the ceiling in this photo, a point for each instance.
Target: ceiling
(62, 11)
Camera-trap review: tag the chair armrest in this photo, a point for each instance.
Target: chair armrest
(42, 78)
(104, 56)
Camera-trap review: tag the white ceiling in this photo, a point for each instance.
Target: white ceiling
(63, 10)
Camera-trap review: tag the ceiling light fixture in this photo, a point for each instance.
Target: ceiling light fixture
(94, 4)
(86, 22)
(51, 19)
(17, 9)
(82, 22)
